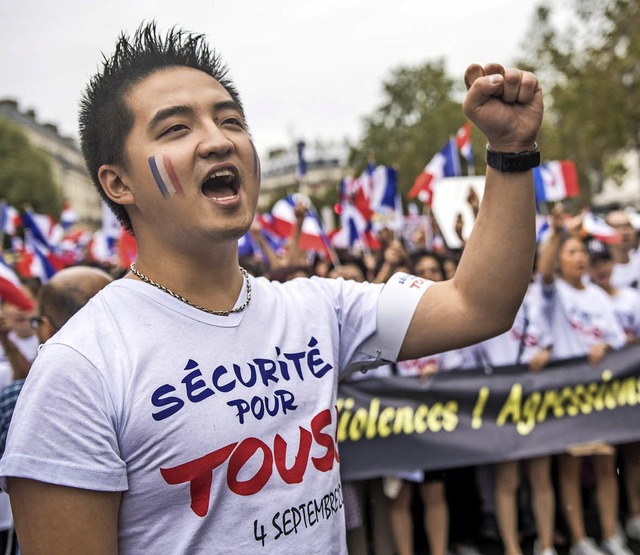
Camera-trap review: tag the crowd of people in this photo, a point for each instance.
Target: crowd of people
(162, 410)
(574, 274)
(583, 300)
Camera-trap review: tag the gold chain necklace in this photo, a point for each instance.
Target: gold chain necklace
(204, 309)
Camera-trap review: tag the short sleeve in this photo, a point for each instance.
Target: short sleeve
(64, 427)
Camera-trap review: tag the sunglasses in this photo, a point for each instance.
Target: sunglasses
(35, 321)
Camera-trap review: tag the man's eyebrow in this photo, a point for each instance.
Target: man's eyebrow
(227, 105)
(166, 113)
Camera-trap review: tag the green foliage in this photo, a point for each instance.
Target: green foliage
(26, 176)
(590, 72)
(416, 117)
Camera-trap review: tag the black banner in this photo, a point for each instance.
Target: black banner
(470, 417)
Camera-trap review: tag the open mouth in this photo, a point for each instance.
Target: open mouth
(221, 185)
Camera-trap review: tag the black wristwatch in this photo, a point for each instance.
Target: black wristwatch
(511, 162)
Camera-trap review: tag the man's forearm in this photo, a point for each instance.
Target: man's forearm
(497, 263)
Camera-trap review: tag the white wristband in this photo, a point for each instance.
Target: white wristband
(396, 305)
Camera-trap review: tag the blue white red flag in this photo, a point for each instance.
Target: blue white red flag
(11, 289)
(354, 232)
(463, 142)
(37, 260)
(44, 229)
(445, 163)
(555, 180)
(10, 219)
(72, 248)
(599, 229)
(68, 216)
(312, 235)
(385, 199)
(101, 248)
(358, 191)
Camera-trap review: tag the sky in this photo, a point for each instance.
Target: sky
(305, 69)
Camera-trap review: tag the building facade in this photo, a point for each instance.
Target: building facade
(326, 165)
(69, 170)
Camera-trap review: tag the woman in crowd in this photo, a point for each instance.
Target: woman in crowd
(626, 303)
(583, 323)
(527, 343)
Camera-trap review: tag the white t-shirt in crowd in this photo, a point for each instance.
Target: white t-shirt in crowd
(580, 318)
(28, 346)
(626, 305)
(627, 275)
(450, 360)
(529, 334)
(218, 431)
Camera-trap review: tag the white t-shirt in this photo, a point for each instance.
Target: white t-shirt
(450, 360)
(529, 333)
(627, 275)
(580, 318)
(219, 431)
(28, 346)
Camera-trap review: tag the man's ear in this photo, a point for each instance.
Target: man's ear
(114, 183)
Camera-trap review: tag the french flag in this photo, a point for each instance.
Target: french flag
(445, 163)
(38, 261)
(463, 142)
(357, 192)
(68, 216)
(43, 227)
(312, 235)
(385, 189)
(599, 229)
(555, 180)
(10, 288)
(10, 219)
(270, 231)
(101, 248)
(354, 231)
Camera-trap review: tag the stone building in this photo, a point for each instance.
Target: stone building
(326, 165)
(69, 170)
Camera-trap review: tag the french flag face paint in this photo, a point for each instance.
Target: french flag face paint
(165, 176)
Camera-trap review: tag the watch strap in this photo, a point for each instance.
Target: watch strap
(511, 162)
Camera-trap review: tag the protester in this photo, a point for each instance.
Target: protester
(626, 303)
(528, 343)
(58, 300)
(366, 507)
(626, 269)
(583, 323)
(161, 367)
(18, 339)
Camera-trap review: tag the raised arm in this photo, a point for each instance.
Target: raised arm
(492, 276)
(85, 521)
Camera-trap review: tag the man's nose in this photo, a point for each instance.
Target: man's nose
(214, 142)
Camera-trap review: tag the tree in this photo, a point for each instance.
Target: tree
(26, 176)
(591, 74)
(417, 115)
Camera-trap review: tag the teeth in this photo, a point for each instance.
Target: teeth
(222, 173)
(225, 198)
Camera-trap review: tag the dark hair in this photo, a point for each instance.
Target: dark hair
(59, 304)
(417, 256)
(105, 119)
(347, 259)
